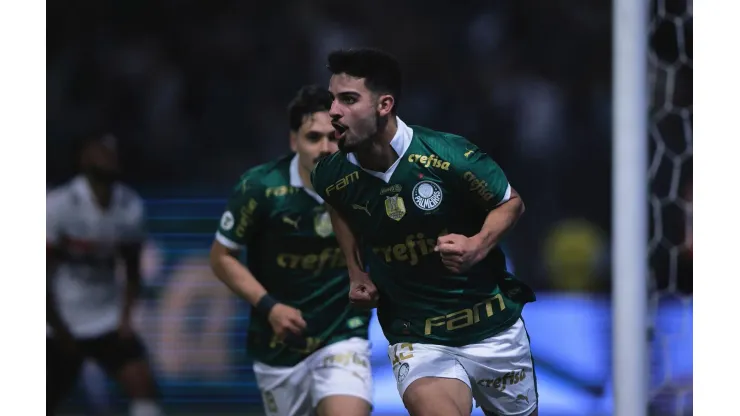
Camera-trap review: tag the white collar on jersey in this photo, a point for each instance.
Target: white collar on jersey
(400, 143)
(297, 182)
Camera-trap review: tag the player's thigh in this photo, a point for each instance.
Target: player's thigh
(436, 396)
(286, 391)
(502, 373)
(341, 405)
(62, 371)
(125, 360)
(429, 378)
(342, 378)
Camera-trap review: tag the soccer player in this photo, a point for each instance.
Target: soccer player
(309, 344)
(419, 215)
(92, 222)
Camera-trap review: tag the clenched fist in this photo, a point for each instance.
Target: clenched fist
(459, 253)
(362, 291)
(285, 319)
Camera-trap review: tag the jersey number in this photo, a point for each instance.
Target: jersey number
(399, 354)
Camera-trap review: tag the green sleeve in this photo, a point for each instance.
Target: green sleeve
(481, 178)
(245, 209)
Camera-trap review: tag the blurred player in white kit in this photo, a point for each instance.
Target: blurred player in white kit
(92, 222)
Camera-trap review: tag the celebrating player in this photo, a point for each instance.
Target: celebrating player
(419, 215)
(92, 221)
(310, 346)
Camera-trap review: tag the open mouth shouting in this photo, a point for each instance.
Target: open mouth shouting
(339, 130)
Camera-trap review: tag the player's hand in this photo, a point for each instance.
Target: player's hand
(459, 253)
(286, 320)
(362, 291)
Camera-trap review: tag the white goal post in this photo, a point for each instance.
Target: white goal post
(630, 207)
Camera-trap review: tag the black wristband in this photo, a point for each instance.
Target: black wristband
(265, 304)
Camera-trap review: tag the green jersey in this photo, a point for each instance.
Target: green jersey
(292, 252)
(440, 184)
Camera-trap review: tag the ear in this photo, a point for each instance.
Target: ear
(293, 141)
(385, 104)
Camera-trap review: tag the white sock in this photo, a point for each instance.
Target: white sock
(145, 408)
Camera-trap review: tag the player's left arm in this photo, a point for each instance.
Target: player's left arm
(130, 250)
(485, 185)
(363, 292)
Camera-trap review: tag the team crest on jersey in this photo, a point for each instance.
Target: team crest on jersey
(322, 224)
(227, 221)
(394, 207)
(427, 195)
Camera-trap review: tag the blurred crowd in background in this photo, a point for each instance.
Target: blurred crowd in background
(197, 93)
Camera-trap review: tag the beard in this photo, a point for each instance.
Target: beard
(362, 135)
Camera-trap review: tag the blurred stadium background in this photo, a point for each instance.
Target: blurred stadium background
(197, 91)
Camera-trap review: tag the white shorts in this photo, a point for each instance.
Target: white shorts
(499, 370)
(342, 368)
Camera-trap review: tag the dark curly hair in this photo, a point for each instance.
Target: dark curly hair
(381, 71)
(309, 99)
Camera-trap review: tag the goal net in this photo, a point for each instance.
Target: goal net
(670, 246)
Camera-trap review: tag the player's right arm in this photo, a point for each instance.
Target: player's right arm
(485, 185)
(363, 292)
(54, 213)
(237, 229)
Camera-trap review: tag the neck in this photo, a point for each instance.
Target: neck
(101, 191)
(379, 155)
(305, 177)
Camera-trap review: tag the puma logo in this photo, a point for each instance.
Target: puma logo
(523, 397)
(362, 208)
(292, 222)
(468, 153)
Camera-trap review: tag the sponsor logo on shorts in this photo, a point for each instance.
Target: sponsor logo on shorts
(508, 379)
(345, 359)
(403, 371)
(269, 400)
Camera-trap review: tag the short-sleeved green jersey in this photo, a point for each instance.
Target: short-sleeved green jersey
(440, 184)
(293, 253)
